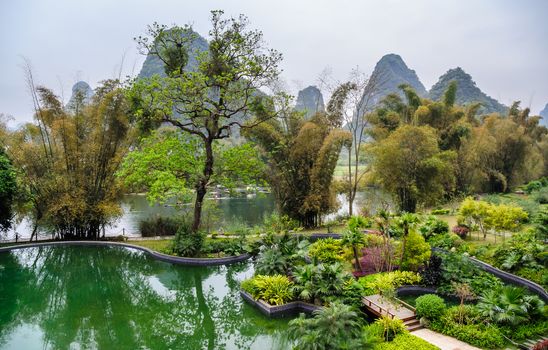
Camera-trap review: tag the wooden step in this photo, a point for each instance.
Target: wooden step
(412, 324)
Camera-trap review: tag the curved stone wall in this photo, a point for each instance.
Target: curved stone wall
(279, 310)
(159, 256)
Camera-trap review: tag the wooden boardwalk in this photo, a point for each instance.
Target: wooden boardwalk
(381, 307)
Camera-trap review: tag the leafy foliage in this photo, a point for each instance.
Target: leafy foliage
(417, 252)
(217, 98)
(410, 165)
(8, 191)
(159, 226)
(391, 327)
(509, 305)
(328, 250)
(301, 156)
(68, 160)
(404, 342)
(275, 290)
(335, 327)
(321, 282)
(457, 268)
(187, 243)
(430, 306)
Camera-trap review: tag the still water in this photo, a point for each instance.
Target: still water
(119, 298)
(249, 210)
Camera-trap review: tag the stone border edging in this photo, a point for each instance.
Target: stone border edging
(505, 276)
(279, 310)
(159, 256)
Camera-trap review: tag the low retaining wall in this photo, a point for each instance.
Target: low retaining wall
(159, 256)
(288, 309)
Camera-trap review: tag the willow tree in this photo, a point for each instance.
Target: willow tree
(67, 160)
(301, 156)
(214, 99)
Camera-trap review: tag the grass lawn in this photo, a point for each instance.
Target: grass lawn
(159, 245)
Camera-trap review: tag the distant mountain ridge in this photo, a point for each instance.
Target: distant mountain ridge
(544, 115)
(153, 64)
(389, 73)
(82, 88)
(310, 101)
(467, 92)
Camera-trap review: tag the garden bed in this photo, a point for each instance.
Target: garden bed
(284, 310)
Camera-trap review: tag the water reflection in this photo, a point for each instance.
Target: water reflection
(118, 298)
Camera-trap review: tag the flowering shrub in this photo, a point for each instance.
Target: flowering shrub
(461, 230)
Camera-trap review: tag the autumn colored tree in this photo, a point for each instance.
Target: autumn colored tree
(209, 102)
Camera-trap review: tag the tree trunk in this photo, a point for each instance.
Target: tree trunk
(350, 187)
(358, 264)
(201, 186)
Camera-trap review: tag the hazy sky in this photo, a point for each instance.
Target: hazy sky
(503, 44)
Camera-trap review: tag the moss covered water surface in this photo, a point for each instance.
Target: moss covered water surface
(75, 297)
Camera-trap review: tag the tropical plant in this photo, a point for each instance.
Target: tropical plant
(433, 226)
(275, 290)
(327, 250)
(430, 306)
(335, 327)
(272, 262)
(417, 252)
(509, 305)
(354, 238)
(187, 243)
(431, 273)
(391, 327)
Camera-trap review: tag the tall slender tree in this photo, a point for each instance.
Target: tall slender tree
(217, 97)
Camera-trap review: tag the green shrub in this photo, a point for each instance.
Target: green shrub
(377, 282)
(430, 306)
(480, 335)
(541, 196)
(446, 241)
(353, 293)
(275, 290)
(433, 226)
(533, 186)
(159, 226)
(391, 327)
(525, 331)
(417, 252)
(440, 211)
(326, 250)
(186, 242)
(406, 342)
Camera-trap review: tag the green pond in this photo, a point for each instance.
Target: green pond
(76, 297)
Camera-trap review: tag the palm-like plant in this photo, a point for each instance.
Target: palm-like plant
(406, 222)
(335, 327)
(271, 262)
(303, 276)
(509, 305)
(354, 238)
(330, 280)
